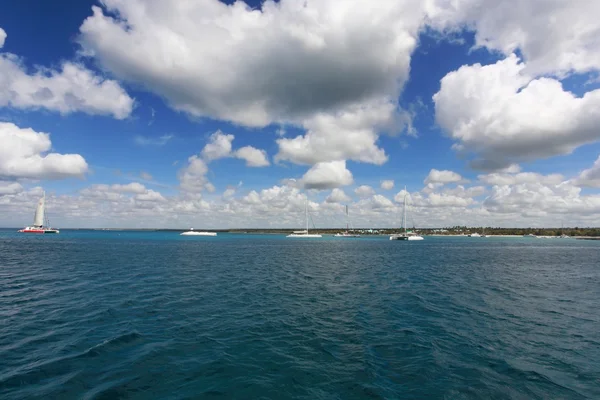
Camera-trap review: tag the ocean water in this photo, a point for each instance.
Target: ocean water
(152, 315)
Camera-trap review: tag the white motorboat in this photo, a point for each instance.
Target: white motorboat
(192, 232)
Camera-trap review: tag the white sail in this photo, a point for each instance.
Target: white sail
(38, 220)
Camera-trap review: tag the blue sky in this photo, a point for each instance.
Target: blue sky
(236, 79)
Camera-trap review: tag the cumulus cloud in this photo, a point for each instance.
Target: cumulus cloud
(192, 177)
(218, 146)
(338, 196)
(150, 195)
(7, 187)
(347, 135)
(589, 177)
(444, 200)
(503, 115)
(289, 62)
(522, 204)
(327, 175)
(71, 89)
(387, 184)
(502, 179)
(254, 157)
(25, 154)
(525, 198)
(307, 51)
(553, 36)
(443, 177)
(379, 201)
(364, 191)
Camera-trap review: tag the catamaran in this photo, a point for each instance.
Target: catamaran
(407, 235)
(304, 233)
(41, 224)
(192, 232)
(347, 233)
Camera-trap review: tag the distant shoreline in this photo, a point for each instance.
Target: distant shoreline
(574, 233)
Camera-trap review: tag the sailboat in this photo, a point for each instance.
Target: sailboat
(347, 232)
(41, 224)
(304, 233)
(563, 235)
(407, 235)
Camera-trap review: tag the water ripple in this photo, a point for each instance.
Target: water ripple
(132, 315)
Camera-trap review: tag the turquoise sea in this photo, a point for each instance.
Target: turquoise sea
(152, 315)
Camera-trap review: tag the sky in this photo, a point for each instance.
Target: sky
(214, 114)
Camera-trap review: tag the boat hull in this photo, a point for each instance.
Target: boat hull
(405, 237)
(198, 234)
(307, 236)
(39, 231)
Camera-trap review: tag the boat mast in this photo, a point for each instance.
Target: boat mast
(306, 212)
(404, 218)
(346, 217)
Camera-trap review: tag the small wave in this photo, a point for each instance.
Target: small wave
(63, 365)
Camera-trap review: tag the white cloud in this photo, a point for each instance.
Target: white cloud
(589, 177)
(289, 63)
(71, 89)
(364, 191)
(379, 201)
(443, 177)
(327, 175)
(25, 154)
(152, 141)
(399, 197)
(523, 204)
(338, 196)
(503, 116)
(192, 177)
(218, 146)
(526, 198)
(387, 184)
(347, 135)
(554, 36)
(133, 187)
(150, 195)
(216, 68)
(444, 200)
(254, 157)
(502, 179)
(7, 187)
(229, 192)
(210, 188)
(2, 37)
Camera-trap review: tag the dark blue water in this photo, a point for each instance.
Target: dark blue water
(124, 315)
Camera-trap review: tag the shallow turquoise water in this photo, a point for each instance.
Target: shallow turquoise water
(143, 315)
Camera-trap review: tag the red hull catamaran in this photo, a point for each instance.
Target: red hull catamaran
(38, 220)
